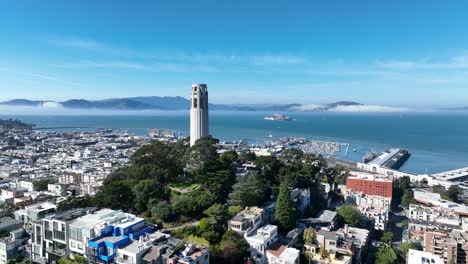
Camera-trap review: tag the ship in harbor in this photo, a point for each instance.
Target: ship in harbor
(278, 117)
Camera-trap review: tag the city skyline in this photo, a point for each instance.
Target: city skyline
(402, 54)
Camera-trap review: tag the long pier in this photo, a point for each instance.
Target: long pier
(63, 127)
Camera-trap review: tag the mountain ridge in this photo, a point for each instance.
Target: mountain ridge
(166, 103)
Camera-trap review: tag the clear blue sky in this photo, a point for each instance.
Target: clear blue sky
(376, 52)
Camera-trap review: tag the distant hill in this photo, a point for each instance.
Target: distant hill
(22, 102)
(455, 109)
(169, 103)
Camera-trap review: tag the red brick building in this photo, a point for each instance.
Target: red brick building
(370, 185)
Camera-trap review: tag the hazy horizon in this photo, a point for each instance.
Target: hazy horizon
(394, 53)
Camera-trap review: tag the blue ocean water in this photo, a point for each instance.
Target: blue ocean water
(437, 141)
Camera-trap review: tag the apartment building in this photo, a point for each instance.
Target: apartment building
(247, 221)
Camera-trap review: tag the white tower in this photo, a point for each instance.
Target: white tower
(198, 112)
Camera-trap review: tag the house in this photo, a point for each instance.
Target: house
(261, 240)
(169, 250)
(301, 197)
(13, 246)
(7, 224)
(325, 219)
(35, 212)
(280, 254)
(247, 221)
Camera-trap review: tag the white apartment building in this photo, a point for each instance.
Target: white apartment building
(261, 240)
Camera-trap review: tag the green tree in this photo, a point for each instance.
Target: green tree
(193, 203)
(309, 235)
(250, 190)
(234, 210)
(406, 246)
(233, 249)
(145, 190)
(218, 177)
(285, 213)
(386, 255)
(453, 194)
(75, 260)
(438, 189)
(201, 153)
(163, 210)
(387, 237)
(42, 184)
(116, 195)
(248, 156)
(218, 213)
(407, 198)
(160, 161)
(349, 215)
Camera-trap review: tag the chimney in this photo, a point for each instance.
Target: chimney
(346, 229)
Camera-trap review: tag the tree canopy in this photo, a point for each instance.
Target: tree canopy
(349, 215)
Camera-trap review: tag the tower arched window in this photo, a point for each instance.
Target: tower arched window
(195, 103)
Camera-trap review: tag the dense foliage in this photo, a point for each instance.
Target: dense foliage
(195, 190)
(386, 255)
(285, 213)
(349, 214)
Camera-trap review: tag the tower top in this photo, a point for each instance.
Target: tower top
(199, 87)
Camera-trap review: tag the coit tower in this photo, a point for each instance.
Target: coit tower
(198, 112)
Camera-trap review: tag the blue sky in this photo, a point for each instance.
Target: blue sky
(402, 53)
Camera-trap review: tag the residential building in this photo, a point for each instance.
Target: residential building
(13, 246)
(247, 221)
(301, 197)
(7, 224)
(51, 235)
(280, 254)
(372, 194)
(344, 246)
(35, 212)
(422, 257)
(325, 219)
(169, 250)
(451, 246)
(261, 241)
(370, 184)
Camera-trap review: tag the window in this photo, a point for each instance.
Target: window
(195, 103)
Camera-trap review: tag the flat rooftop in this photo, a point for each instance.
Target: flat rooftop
(384, 157)
(248, 214)
(369, 176)
(112, 217)
(422, 257)
(453, 175)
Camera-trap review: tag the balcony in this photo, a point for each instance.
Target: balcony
(56, 251)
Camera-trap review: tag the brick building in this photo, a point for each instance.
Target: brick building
(370, 184)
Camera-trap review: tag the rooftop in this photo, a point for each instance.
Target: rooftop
(248, 213)
(369, 176)
(453, 175)
(264, 233)
(326, 216)
(422, 257)
(108, 216)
